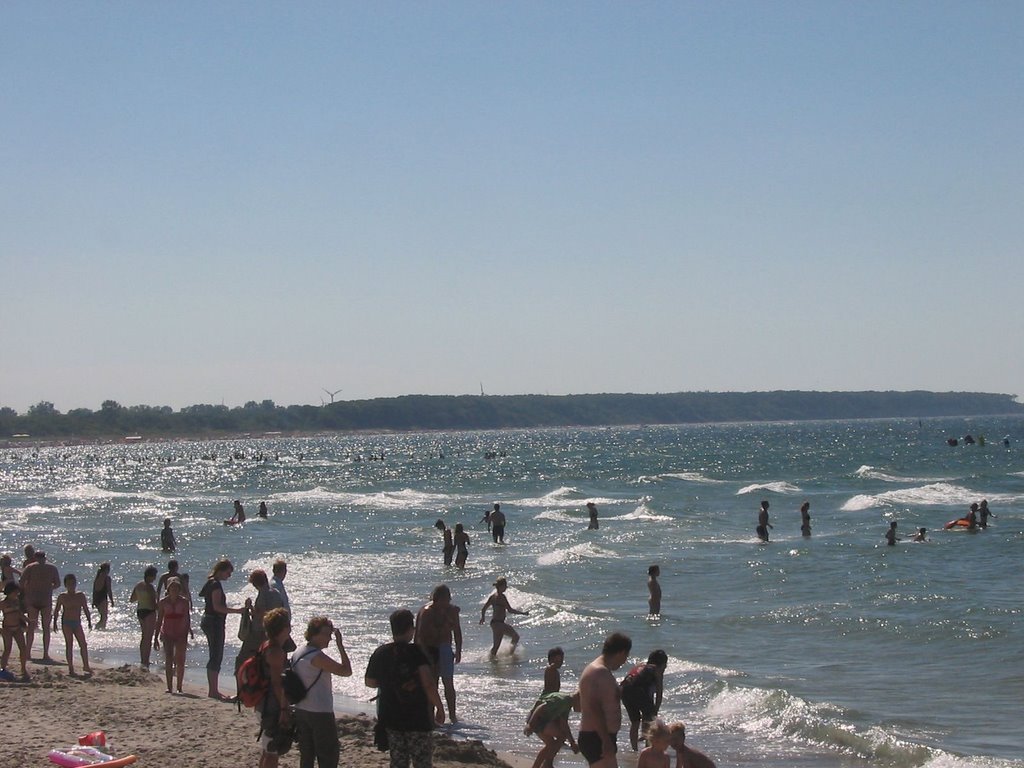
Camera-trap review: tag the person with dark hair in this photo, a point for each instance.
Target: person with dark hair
(38, 580)
(74, 604)
(167, 542)
(805, 519)
(448, 549)
(102, 594)
(762, 522)
(498, 524)
(890, 536)
(266, 600)
(14, 623)
(642, 689)
(500, 608)
(215, 612)
(552, 673)
(144, 597)
(173, 572)
(314, 715)
(174, 627)
(437, 627)
(653, 591)
(461, 546)
(601, 713)
(406, 694)
(280, 570)
(984, 514)
(274, 712)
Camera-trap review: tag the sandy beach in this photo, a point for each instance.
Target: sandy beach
(171, 731)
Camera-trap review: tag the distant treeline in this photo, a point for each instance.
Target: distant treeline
(464, 412)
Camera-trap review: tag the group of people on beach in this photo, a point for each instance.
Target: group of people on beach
(600, 699)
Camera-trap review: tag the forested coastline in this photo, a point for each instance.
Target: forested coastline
(470, 412)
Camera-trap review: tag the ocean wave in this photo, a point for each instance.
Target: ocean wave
(91, 492)
(933, 494)
(559, 516)
(404, 499)
(779, 715)
(642, 512)
(779, 486)
(574, 554)
(557, 497)
(692, 477)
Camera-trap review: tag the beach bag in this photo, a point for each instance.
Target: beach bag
(244, 625)
(294, 689)
(252, 679)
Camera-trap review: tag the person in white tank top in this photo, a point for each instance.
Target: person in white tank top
(314, 715)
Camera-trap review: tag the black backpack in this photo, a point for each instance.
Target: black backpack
(294, 689)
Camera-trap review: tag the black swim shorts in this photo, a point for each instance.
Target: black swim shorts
(590, 746)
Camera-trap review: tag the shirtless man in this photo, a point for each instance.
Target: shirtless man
(437, 625)
(601, 713)
(38, 581)
(501, 608)
(173, 572)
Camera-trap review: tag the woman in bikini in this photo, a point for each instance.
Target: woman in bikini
(174, 627)
(74, 604)
(144, 597)
(102, 594)
(15, 621)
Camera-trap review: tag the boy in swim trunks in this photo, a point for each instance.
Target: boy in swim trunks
(73, 603)
(437, 626)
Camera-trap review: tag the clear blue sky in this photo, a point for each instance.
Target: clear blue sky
(222, 202)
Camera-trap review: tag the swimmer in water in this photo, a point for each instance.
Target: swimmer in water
(762, 522)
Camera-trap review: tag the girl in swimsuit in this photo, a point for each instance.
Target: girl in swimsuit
(449, 545)
(144, 597)
(14, 625)
(74, 604)
(173, 626)
(102, 594)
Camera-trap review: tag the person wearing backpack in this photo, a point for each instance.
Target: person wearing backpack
(316, 730)
(273, 711)
(408, 704)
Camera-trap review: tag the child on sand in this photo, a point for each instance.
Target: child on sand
(550, 721)
(73, 603)
(654, 590)
(659, 738)
(15, 621)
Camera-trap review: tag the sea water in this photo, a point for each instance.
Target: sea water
(828, 650)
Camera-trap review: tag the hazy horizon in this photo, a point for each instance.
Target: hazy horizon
(234, 202)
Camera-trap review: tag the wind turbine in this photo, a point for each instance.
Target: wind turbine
(331, 394)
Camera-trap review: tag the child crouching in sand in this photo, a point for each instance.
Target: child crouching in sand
(550, 721)
(73, 603)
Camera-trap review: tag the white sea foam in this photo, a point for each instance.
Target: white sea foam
(779, 486)
(692, 477)
(91, 492)
(557, 497)
(560, 516)
(574, 554)
(933, 494)
(404, 499)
